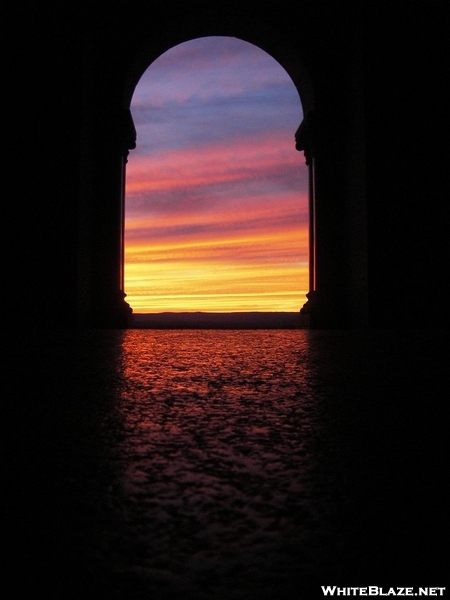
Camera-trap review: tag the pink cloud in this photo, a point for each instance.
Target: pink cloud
(205, 165)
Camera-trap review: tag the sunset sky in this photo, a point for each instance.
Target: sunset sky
(216, 194)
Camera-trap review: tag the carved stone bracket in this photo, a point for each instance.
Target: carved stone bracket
(126, 134)
(305, 137)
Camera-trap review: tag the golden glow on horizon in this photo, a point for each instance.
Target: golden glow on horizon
(208, 275)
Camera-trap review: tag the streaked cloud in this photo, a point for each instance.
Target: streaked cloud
(216, 197)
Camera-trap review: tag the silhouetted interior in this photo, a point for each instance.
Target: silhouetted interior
(371, 80)
(372, 77)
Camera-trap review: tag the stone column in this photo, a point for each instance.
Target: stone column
(304, 142)
(334, 152)
(128, 142)
(109, 308)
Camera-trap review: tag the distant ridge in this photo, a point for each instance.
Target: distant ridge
(236, 320)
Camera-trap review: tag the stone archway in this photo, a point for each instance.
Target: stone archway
(331, 136)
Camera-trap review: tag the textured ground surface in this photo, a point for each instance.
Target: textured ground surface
(225, 464)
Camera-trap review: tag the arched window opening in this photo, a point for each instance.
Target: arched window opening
(216, 201)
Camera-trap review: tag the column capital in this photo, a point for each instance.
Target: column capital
(116, 133)
(305, 137)
(126, 132)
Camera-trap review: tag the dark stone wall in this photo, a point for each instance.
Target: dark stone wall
(378, 78)
(41, 78)
(406, 79)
